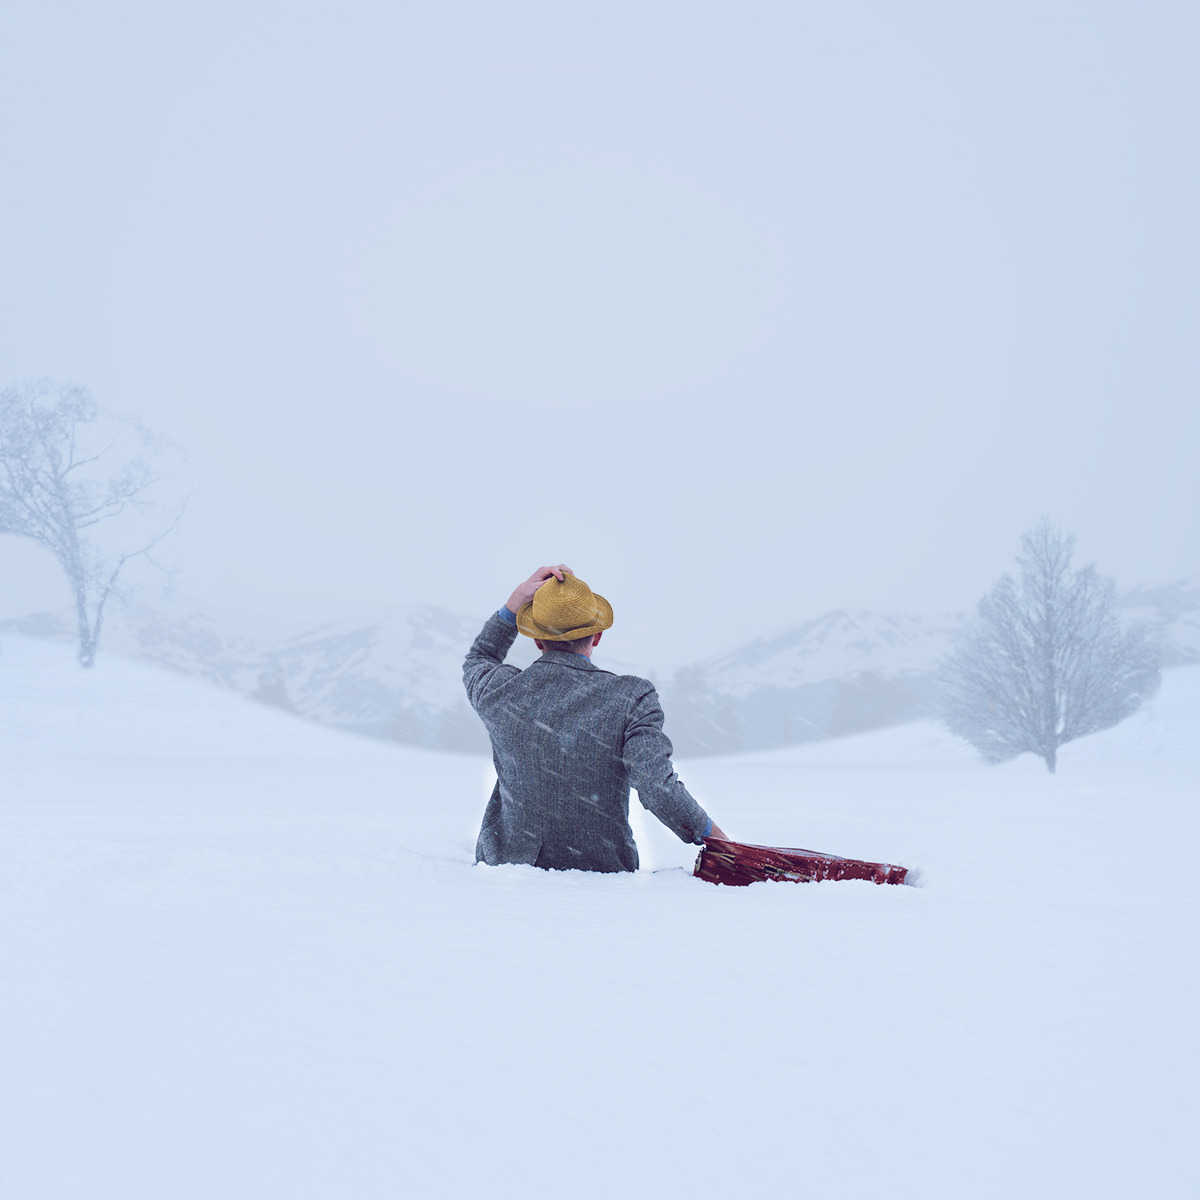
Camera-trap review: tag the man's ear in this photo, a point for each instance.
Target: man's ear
(596, 639)
(538, 644)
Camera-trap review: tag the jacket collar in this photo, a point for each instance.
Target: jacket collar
(567, 658)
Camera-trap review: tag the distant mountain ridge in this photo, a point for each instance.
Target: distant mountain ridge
(841, 673)
(396, 675)
(851, 671)
(1172, 613)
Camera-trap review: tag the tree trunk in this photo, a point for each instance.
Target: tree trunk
(87, 644)
(87, 632)
(1052, 760)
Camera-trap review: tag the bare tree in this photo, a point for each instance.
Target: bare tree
(1045, 661)
(63, 476)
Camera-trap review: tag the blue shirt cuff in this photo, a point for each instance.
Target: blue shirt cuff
(708, 831)
(506, 616)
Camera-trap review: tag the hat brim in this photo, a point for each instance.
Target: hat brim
(530, 628)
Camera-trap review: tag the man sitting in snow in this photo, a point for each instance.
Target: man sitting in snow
(568, 739)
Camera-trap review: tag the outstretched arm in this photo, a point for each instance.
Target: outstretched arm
(647, 756)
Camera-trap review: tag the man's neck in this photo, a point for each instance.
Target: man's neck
(582, 653)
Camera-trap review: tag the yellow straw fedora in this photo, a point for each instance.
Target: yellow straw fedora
(562, 612)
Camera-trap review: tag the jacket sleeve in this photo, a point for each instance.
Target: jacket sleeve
(484, 665)
(647, 756)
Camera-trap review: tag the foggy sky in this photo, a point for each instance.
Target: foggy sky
(744, 310)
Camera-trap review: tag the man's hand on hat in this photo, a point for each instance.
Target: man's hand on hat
(523, 592)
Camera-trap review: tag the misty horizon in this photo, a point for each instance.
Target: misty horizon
(748, 313)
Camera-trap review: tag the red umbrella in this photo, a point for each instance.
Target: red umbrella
(738, 864)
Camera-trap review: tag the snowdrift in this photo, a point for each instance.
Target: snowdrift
(244, 956)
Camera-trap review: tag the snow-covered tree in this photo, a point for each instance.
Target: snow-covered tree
(1046, 660)
(66, 470)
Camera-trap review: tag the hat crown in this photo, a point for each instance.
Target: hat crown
(563, 610)
(563, 607)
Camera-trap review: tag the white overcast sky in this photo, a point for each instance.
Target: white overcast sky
(745, 310)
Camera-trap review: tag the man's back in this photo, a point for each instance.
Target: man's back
(568, 740)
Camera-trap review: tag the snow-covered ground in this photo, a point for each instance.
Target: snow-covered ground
(242, 956)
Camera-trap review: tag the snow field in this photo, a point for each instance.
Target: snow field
(244, 956)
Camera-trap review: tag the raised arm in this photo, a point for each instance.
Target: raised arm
(523, 592)
(484, 664)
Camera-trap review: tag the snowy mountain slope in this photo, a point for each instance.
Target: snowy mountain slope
(1173, 614)
(246, 956)
(850, 671)
(393, 675)
(838, 674)
(836, 646)
(396, 674)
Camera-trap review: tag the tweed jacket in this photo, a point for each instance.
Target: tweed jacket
(568, 740)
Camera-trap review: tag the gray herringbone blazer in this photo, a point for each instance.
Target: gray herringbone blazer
(568, 740)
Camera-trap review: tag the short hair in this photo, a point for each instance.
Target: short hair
(575, 646)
